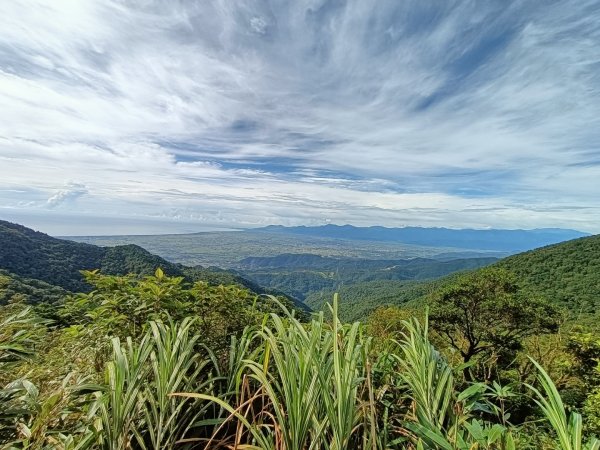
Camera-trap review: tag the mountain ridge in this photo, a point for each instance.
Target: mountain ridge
(515, 240)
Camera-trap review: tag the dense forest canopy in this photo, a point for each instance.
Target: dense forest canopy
(567, 273)
(300, 275)
(358, 301)
(27, 290)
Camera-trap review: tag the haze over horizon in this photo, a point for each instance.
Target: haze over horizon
(186, 116)
(91, 227)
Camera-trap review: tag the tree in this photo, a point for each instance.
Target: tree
(585, 348)
(485, 314)
(123, 305)
(386, 323)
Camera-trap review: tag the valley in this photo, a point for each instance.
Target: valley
(368, 266)
(228, 248)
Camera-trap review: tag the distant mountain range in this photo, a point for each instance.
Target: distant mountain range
(511, 241)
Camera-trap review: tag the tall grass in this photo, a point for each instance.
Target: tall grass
(288, 385)
(290, 372)
(19, 332)
(568, 427)
(430, 385)
(176, 366)
(441, 417)
(308, 380)
(313, 386)
(119, 406)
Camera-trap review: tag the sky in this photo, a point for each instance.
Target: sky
(178, 116)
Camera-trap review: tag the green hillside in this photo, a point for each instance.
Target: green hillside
(34, 259)
(31, 254)
(566, 273)
(300, 275)
(14, 288)
(357, 301)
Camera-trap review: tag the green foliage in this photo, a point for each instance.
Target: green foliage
(316, 400)
(387, 323)
(19, 332)
(153, 360)
(568, 428)
(305, 274)
(485, 316)
(567, 274)
(15, 289)
(176, 366)
(358, 301)
(120, 406)
(22, 408)
(59, 419)
(285, 385)
(442, 416)
(123, 305)
(591, 410)
(586, 350)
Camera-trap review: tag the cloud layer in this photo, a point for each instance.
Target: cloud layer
(237, 114)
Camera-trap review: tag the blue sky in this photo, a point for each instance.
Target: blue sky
(174, 116)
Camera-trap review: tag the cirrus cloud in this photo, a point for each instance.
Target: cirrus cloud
(461, 114)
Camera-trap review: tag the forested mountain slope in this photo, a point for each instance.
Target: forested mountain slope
(300, 275)
(357, 301)
(31, 254)
(31, 257)
(14, 288)
(566, 273)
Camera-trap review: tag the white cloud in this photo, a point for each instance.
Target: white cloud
(258, 112)
(71, 192)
